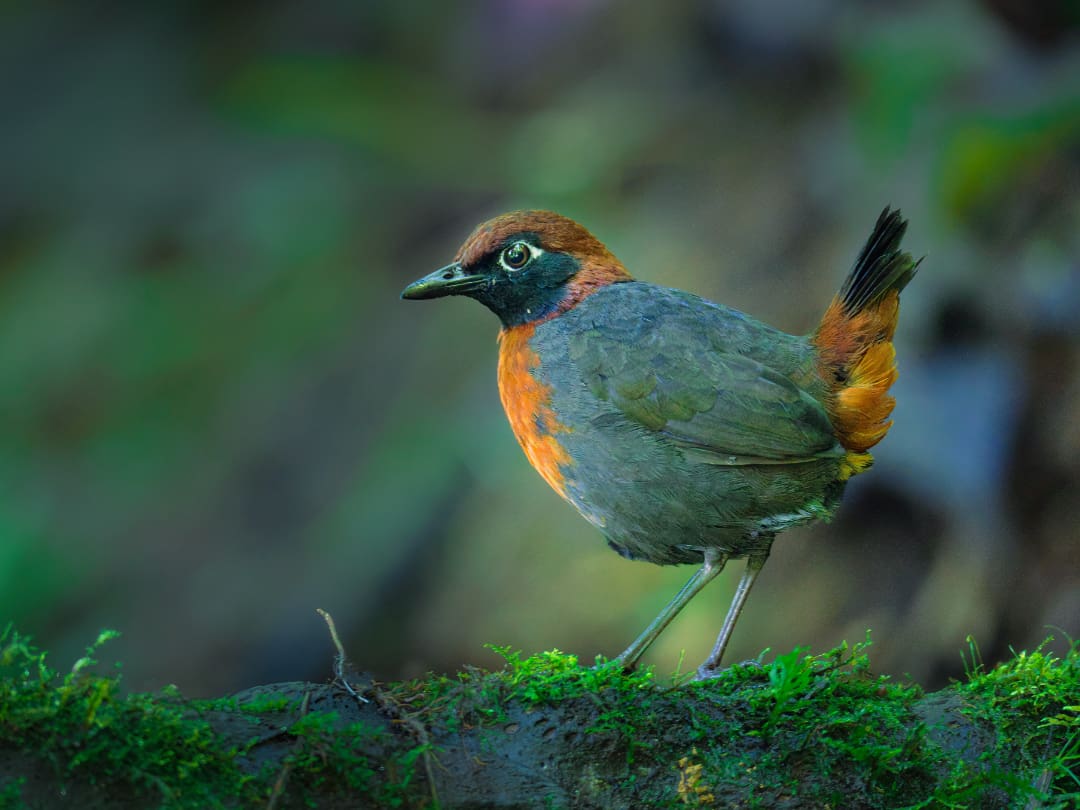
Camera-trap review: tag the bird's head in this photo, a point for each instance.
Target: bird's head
(525, 266)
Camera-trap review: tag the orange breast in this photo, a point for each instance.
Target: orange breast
(527, 403)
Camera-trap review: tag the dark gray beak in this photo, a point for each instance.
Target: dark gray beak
(449, 280)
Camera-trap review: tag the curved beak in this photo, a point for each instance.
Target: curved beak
(449, 280)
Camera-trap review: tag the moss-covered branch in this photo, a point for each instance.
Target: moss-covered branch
(800, 731)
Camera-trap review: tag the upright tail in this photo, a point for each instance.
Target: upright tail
(854, 341)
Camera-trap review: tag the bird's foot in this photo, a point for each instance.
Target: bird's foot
(706, 672)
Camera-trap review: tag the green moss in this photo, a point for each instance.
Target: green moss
(814, 722)
(818, 726)
(11, 794)
(261, 704)
(332, 758)
(1033, 702)
(827, 721)
(81, 730)
(813, 730)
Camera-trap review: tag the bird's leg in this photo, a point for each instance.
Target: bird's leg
(754, 563)
(713, 565)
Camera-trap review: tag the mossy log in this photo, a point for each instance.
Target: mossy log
(799, 731)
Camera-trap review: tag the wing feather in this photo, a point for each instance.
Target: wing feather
(721, 407)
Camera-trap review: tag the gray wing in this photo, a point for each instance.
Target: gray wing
(667, 375)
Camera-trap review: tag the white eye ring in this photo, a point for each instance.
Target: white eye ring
(510, 257)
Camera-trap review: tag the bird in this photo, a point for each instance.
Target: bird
(686, 431)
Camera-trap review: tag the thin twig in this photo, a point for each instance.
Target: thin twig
(339, 658)
(414, 726)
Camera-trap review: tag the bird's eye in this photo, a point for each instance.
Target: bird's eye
(516, 256)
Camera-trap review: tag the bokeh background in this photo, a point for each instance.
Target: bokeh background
(218, 416)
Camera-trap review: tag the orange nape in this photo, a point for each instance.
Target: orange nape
(527, 403)
(858, 359)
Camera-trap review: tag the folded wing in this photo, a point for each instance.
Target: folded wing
(721, 407)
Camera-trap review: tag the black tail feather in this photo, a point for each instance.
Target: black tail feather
(881, 265)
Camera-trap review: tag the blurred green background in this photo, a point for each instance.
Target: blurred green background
(218, 416)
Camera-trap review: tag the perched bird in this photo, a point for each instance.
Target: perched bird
(684, 430)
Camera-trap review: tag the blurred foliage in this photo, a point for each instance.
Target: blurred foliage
(219, 416)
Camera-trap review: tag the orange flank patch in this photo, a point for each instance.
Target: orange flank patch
(857, 357)
(527, 403)
(862, 409)
(841, 338)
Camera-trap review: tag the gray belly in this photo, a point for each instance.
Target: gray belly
(654, 503)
